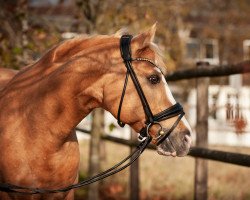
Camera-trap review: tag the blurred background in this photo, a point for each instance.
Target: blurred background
(216, 32)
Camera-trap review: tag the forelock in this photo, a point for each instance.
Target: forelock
(159, 57)
(121, 32)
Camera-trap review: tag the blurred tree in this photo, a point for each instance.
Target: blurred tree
(226, 20)
(22, 17)
(21, 37)
(11, 32)
(87, 14)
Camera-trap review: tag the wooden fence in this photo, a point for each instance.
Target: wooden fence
(200, 150)
(211, 71)
(202, 73)
(216, 155)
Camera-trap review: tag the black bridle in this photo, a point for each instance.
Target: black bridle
(173, 111)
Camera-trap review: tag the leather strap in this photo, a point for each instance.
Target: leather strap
(170, 112)
(126, 55)
(121, 124)
(165, 136)
(175, 110)
(125, 47)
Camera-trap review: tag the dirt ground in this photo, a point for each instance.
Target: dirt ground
(165, 178)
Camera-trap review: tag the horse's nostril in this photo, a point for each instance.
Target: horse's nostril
(188, 133)
(187, 140)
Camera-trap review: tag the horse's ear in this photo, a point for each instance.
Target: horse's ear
(145, 38)
(121, 32)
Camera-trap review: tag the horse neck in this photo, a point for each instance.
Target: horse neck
(55, 99)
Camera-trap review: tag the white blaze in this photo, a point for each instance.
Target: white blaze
(168, 92)
(172, 100)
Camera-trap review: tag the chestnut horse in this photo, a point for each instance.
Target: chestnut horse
(43, 103)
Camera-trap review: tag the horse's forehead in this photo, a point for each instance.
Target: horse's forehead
(152, 53)
(146, 52)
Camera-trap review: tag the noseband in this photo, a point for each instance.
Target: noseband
(173, 111)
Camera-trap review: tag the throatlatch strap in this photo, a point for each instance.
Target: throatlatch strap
(121, 124)
(126, 55)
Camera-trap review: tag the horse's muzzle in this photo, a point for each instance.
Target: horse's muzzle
(176, 144)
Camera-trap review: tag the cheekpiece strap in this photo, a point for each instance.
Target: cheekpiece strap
(125, 47)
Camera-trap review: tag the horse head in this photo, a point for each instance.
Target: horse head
(148, 67)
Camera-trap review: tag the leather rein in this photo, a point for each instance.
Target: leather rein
(146, 138)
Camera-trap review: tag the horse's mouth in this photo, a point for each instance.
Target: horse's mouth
(165, 153)
(173, 146)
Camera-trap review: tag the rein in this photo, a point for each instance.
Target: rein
(10, 188)
(175, 110)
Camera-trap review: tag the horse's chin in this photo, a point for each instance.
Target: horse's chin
(163, 152)
(171, 148)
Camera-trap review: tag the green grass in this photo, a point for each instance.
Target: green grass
(163, 178)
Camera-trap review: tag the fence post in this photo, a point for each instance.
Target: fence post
(94, 156)
(201, 165)
(134, 172)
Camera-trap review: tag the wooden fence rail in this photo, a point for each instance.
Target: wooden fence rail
(211, 71)
(216, 155)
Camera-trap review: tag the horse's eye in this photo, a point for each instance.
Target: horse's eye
(154, 79)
